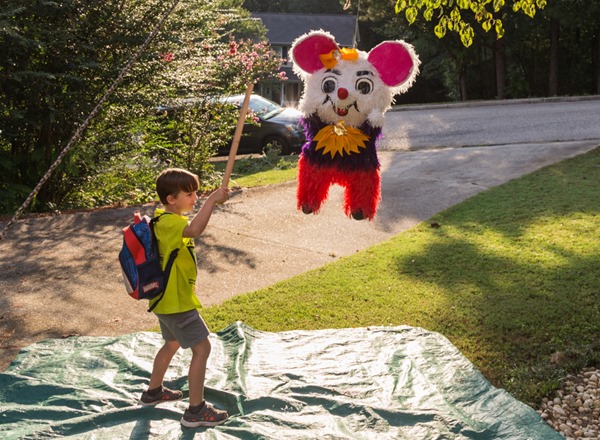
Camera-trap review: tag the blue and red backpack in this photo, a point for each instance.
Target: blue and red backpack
(140, 262)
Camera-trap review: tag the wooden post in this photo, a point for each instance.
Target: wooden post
(236, 137)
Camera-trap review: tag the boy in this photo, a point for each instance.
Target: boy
(180, 323)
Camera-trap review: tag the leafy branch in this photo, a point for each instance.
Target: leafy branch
(451, 15)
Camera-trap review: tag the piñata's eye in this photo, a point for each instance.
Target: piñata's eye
(364, 86)
(329, 85)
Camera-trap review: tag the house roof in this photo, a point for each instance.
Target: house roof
(283, 29)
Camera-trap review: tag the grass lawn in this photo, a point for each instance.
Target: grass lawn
(510, 276)
(260, 170)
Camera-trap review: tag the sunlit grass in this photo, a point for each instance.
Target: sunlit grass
(261, 170)
(510, 276)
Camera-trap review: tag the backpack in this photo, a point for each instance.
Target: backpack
(140, 262)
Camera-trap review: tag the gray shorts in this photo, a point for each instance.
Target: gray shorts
(187, 328)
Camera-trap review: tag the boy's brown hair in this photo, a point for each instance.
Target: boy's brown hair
(174, 180)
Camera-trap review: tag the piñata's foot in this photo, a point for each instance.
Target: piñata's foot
(358, 215)
(306, 209)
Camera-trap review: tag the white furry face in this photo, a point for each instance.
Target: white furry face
(351, 92)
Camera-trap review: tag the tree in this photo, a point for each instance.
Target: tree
(449, 69)
(575, 45)
(454, 15)
(525, 62)
(59, 58)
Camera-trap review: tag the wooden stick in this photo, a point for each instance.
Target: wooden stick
(236, 137)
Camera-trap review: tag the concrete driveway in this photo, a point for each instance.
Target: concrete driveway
(258, 237)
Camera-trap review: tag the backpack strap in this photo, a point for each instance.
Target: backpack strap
(170, 262)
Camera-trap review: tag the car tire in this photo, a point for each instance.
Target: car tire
(276, 141)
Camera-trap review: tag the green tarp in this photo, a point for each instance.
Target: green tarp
(364, 383)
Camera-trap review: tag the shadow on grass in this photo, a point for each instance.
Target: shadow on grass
(510, 277)
(518, 268)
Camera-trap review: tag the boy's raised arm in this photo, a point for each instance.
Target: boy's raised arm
(200, 220)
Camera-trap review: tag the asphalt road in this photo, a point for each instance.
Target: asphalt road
(492, 123)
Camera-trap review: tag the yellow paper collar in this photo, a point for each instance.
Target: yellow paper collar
(339, 138)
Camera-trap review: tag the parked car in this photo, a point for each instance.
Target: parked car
(277, 125)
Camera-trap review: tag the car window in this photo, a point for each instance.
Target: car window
(261, 107)
(264, 109)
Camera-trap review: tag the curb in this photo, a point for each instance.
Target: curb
(466, 104)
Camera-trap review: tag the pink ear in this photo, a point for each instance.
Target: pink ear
(306, 51)
(393, 60)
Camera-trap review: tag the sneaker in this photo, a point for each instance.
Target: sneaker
(164, 395)
(207, 416)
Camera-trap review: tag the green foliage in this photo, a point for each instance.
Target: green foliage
(509, 276)
(522, 55)
(188, 135)
(59, 58)
(449, 14)
(130, 180)
(121, 180)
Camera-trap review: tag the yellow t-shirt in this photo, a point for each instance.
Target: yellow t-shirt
(180, 295)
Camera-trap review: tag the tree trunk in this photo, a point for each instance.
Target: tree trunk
(533, 76)
(462, 83)
(554, 41)
(598, 60)
(500, 65)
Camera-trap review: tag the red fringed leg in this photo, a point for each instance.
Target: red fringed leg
(313, 186)
(362, 194)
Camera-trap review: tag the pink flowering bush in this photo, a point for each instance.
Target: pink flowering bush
(214, 69)
(193, 61)
(193, 75)
(166, 57)
(243, 62)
